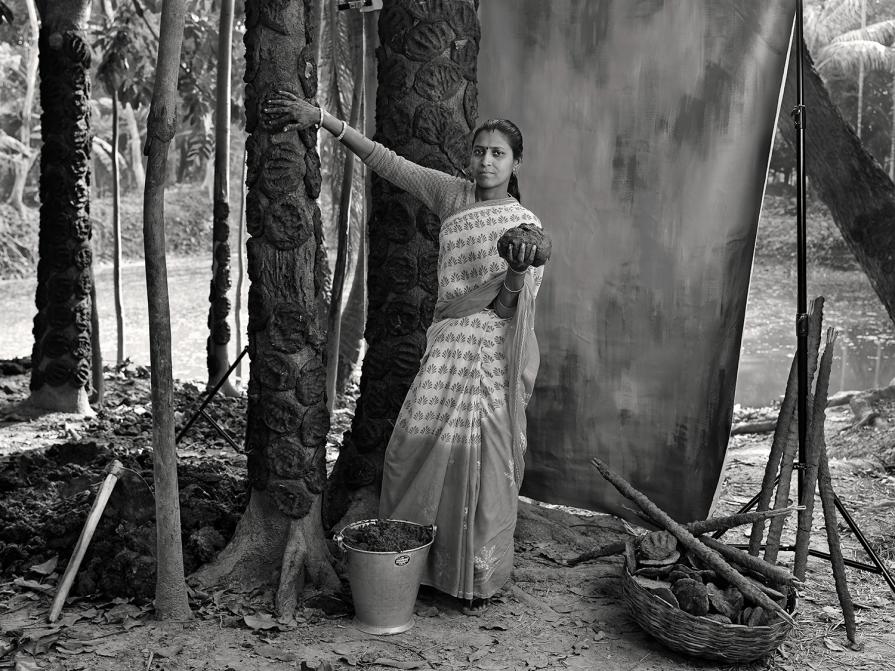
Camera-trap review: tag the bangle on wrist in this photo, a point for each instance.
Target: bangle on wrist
(512, 291)
(516, 272)
(342, 133)
(320, 123)
(508, 307)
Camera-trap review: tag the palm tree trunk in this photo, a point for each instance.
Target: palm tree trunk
(61, 367)
(402, 283)
(116, 233)
(287, 420)
(170, 592)
(219, 312)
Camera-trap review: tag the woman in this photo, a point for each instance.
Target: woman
(455, 457)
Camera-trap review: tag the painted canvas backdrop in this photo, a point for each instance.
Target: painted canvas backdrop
(648, 127)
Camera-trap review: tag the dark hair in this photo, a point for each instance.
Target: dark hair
(514, 138)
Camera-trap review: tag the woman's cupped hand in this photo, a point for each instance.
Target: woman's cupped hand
(284, 111)
(520, 256)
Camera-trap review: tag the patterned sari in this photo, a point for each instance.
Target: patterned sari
(456, 456)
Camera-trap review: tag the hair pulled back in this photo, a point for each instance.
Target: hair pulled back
(514, 138)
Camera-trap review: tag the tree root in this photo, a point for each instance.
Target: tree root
(269, 549)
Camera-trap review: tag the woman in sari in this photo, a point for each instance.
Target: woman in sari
(455, 457)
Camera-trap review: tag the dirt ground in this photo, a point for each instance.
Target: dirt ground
(551, 616)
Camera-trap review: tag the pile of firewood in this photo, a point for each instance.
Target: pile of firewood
(683, 580)
(705, 560)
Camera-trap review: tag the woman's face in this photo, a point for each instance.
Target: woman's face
(492, 160)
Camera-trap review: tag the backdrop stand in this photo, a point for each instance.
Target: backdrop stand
(799, 122)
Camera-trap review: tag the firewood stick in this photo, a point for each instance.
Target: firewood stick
(783, 432)
(776, 574)
(93, 517)
(825, 486)
(710, 557)
(809, 478)
(790, 451)
(696, 528)
(740, 519)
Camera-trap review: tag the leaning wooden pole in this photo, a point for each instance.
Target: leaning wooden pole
(784, 432)
(93, 517)
(809, 479)
(827, 498)
(790, 452)
(170, 591)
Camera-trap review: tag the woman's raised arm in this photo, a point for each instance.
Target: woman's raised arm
(286, 111)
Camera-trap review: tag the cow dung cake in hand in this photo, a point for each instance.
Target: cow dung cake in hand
(530, 235)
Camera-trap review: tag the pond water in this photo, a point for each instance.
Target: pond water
(865, 353)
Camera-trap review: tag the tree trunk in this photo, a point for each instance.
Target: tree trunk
(240, 269)
(135, 143)
(170, 589)
(116, 233)
(23, 167)
(61, 368)
(852, 184)
(892, 136)
(435, 80)
(354, 316)
(99, 383)
(287, 419)
(338, 284)
(219, 312)
(861, 75)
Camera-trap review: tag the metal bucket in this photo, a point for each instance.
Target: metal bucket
(384, 585)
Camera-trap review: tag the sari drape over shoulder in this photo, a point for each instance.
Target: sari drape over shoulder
(456, 456)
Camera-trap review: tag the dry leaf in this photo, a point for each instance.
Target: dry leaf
(47, 567)
(260, 621)
(26, 665)
(273, 652)
(169, 651)
(830, 644)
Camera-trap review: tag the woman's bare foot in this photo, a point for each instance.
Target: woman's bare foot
(475, 607)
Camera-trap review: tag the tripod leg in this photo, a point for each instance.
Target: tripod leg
(809, 480)
(790, 451)
(827, 498)
(784, 433)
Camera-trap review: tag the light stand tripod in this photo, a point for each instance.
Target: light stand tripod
(802, 322)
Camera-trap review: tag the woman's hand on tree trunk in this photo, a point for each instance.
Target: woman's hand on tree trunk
(285, 111)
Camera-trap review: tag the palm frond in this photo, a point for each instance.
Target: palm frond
(822, 23)
(882, 32)
(847, 57)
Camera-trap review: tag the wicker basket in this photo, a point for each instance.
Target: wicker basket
(699, 636)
